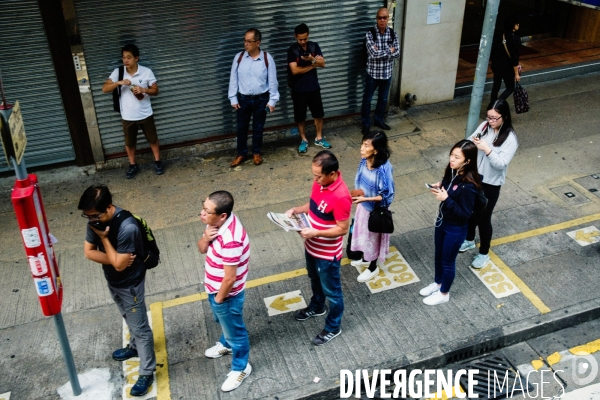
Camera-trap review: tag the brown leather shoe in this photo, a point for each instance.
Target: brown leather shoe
(238, 160)
(257, 159)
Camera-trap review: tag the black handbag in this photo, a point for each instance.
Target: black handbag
(521, 99)
(380, 219)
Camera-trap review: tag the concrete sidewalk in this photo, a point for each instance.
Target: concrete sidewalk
(551, 278)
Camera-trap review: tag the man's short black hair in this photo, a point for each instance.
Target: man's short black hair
(256, 33)
(132, 48)
(327, 161)
(301, 29)
(223, 202)
(96, 197)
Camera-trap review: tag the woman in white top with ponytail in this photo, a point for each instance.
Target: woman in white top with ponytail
(497, 143)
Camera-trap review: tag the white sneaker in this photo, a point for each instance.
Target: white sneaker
(436, 298)
(218, 350)
(431, 288)
(235, 378)
(359, 263)
(367, 275)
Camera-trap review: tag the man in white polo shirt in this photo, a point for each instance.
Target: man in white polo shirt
(227, 250)
(135, 87)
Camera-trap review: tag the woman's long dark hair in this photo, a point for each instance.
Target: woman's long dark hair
(502, 108)
(379, 142)
(469, 171)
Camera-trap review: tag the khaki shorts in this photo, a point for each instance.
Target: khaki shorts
(130, 129)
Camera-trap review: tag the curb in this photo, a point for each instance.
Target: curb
(472, 346)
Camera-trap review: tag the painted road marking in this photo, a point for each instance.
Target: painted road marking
(585, 236)
(284, 303)
(545, 229)
(577, 359)
(454, 394)
(395, 272)
(162, 377)
(495, 280)
(5, 396)
(131, 367)
(526, 290)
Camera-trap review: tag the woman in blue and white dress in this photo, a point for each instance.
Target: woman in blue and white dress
(374, 183)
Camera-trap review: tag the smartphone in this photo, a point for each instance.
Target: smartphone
(478, 136)
(431, 186)
(98, 225)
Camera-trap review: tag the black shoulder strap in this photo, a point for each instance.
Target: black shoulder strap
(373, 33)
(240, 57)
(121, 74)
(266, 60)
(115, 225)
(392, 36)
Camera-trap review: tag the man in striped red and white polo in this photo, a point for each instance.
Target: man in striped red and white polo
(329, 214)
(227, 250)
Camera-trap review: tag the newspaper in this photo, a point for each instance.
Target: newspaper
(296, 222)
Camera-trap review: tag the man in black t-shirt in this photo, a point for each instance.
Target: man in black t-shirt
(303, 59)
(125, 274)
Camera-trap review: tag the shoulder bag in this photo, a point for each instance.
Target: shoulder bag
(380, 219)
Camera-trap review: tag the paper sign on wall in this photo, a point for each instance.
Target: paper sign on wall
(434, 11)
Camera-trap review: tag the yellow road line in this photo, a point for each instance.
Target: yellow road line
(160, 350)
(545, 229)
(527, 292)
(162, 376)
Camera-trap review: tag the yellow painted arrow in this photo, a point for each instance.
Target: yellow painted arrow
(586, 237)
(281, 304)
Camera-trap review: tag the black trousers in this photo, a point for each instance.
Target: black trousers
(508, 76)
(484, 219)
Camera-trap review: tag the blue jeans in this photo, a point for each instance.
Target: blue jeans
(251, 107)
(229, 314)
(326, 282)
(447, 239)
(383, 87)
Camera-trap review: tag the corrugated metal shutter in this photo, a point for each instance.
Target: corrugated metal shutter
(190, 46)
(29, 77)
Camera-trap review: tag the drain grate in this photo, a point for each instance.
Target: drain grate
(502, 378)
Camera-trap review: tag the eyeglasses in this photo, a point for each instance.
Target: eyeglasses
(250, 41)
(93, 216)
(206, 210)
(493, 119)
(382, 17)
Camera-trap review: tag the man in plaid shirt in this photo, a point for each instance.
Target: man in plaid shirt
(382, 49)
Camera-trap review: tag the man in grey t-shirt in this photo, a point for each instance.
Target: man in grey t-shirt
(125, 274)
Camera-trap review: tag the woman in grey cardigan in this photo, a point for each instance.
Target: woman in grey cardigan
(497, 143)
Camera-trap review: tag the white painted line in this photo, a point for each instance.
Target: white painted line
(132, 366)
(95, 385)
(394, 273)
(285, 303)
(591, 392)
(5, 396)
(495, 280)
(585, 236)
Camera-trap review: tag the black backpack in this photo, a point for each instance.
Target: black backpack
(373, 32)
(117, 92)
(291, 78)
(152, 257)
(480, 202)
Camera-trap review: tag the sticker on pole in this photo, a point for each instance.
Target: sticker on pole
(38, 265)
(43, 286)
(31, 237)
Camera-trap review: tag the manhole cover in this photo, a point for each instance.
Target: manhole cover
(570, 195)
(501, 375)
